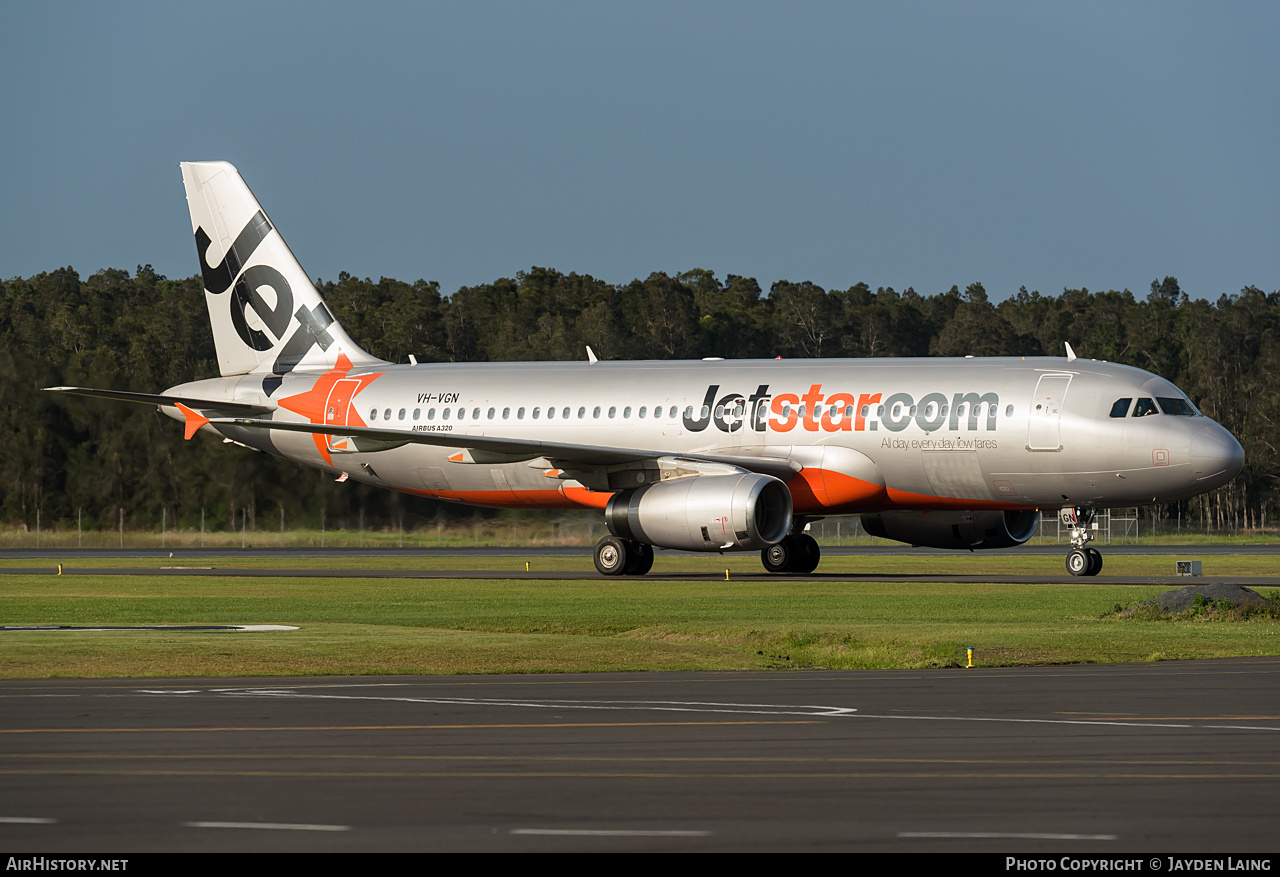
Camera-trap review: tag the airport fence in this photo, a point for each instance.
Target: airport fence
(1132, 526)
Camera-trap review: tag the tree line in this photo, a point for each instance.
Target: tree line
(63, 456)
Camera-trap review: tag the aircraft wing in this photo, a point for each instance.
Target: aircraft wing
(512, 449)
(243, 408)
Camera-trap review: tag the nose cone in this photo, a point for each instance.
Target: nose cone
(1216, 457)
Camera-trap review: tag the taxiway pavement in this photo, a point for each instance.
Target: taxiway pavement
(1174, 756)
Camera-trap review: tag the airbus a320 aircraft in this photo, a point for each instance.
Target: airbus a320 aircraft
(707, 455)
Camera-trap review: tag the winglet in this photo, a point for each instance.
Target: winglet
(195, 420)
(1071, 354)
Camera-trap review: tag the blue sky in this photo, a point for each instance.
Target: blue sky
(902, 144)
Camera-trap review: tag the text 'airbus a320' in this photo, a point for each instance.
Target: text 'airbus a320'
(703, 456)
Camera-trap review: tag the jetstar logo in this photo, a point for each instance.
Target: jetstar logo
(313, 323)
(840, 412)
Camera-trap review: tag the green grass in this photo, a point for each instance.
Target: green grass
(374, 626)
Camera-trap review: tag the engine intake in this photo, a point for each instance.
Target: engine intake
(739, 512)
(972, 530)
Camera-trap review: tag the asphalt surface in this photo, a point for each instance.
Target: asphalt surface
(1168, 757)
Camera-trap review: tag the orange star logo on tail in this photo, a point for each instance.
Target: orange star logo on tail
(331, 401)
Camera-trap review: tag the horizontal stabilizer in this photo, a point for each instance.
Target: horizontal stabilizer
(217, 405)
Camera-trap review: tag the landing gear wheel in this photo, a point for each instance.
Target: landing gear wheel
(783, 557)
(612, 556)
(810, 554)
(1079, 563)
(1095, 557)
(641, 559)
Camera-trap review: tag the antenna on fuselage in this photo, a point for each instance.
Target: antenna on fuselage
(1071, 354)
(591, 355)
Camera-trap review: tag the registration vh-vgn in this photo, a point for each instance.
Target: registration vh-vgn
(708, 455)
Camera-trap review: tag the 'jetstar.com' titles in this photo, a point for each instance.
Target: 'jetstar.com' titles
(840, 412)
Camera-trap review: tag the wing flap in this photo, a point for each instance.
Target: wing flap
(514, 450)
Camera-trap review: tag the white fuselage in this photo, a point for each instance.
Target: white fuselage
(871, 434)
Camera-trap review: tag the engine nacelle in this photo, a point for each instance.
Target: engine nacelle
(738, 512)
(969, 530)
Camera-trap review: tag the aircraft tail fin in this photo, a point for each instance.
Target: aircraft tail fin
(267, 316)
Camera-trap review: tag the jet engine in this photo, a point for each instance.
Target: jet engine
(736, 512)
(970, 530)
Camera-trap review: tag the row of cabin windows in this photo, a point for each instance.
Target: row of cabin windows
(931, 410)
(1145, 407)
(551, 413)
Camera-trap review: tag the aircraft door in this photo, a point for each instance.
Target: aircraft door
(1043, 430)
(336, 411)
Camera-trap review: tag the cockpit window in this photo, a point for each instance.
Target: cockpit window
(1176, 407)
(1121, 407)
(1145, 407)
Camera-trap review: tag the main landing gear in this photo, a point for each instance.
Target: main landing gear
(1082, 560)
(797, 552)
(622, 557)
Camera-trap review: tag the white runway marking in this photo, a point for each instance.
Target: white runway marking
(662, 705)
(1006, 835)
(165, 628)
(27, 820)
(272, 826)
(608, 832)
(810, 710)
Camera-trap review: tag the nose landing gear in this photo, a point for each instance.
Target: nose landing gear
(1082, 560)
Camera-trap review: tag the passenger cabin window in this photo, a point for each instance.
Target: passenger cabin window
(417, 412)
(642, 412)
(431, 414)
(400, 416)
(373, 413)
(612, 411)
(520, 414)
(1176, 407)
(444, 412)
(506, 413)
(536, 412)
(551, 414)
(582, 412)
(491, 411)
(1120, 408)
(386, 415)
(626, 412)
(475, 413)
(1143, 407)
(595, 412)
